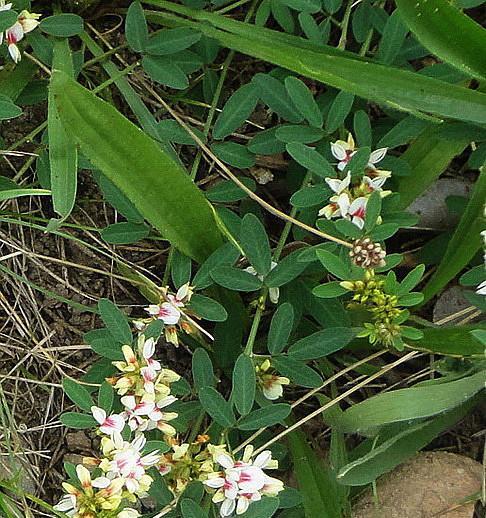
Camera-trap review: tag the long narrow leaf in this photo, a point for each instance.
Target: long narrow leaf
(158, 186)
(321, 493)
(464, 243)
(430, 154)
(63, 154)
(448, 33)
(396, 88)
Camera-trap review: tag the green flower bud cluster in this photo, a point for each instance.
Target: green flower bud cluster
(386, 314)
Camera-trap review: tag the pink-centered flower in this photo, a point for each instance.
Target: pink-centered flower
(26, 22)
(108, 425)
(345, 150)
(242, 482)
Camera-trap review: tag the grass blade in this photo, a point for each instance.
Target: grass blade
(465, 241)
(400, 89)
(448, 33)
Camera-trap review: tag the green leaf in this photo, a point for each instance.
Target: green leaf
(272, 92)
(202, 369)
(309, 158)
(286, 270)
(191, 509)
(233, 154)
(136, 30)
(172, 131)
(244, 384)
(395, 448)
(304, 101)
(320, 492)
(62, 25)
(334, 264)
(322, 343)
(225, 255)
(208, 309)
(106, 396)
(7, 19)
(266, 143)
(298, 133)
(78, 394)
(227, 191)
(159, 446)
(77, 421)
(339, 110)
(394, 35)
(453, 341)
(465, 241)
(217, 407)
(280, 328)
(329, 290)
(410, 403)
(266, 416)
(411, 279)
(311, 196)
(63, 154)
(10, 190)
(305, 6)
(373, 210)
(400, 89)
(448, 33)
(429, 155)
(163, 70)
(170, 41)
(8, 110)
(186, 220)
(236, 279)
(180, 269)
(125, 232)
(362, 128)
(297, 371)
(115, 321)
(106, 346)
(264, 508)
(236, 111)
(254, 242)
(403, 132)
(117, 199)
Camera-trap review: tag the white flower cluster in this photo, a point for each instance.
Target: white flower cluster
(349, 201)
(26, 22)
(122, 470)
(243, 481)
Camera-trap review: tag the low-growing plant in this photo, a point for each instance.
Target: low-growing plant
(277, 291)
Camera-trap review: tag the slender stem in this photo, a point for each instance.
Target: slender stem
(344, 26)
(336, 400)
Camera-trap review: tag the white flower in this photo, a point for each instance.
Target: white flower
(337, 185)
(481, 289)
(273, 293)
(357, 211)
(345, 150)
(67, 504)
(242, 482)
(124, 461)
(273, 386)
(166, 312)
(146, 415)
(108, 425)
(25, 23)
(128, 513)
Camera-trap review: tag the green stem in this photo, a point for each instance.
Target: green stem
(264, 291)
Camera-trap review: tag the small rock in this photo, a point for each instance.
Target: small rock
(12, 469)
(78, 442)
(427, 485)
(451, 301)
(431, 207)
